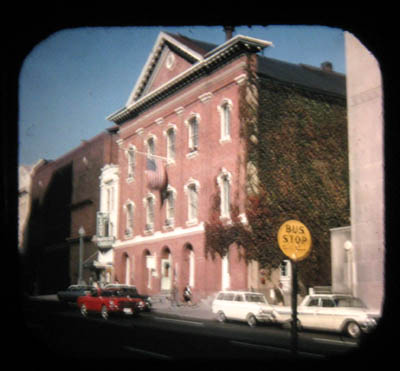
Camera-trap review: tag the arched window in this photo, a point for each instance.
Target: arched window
(224, 183)
(170, 212)
(225, 111)
(171, 143)
(131, 162)
(149, 203)
(129, 219)
(193, 130)
(192, 188)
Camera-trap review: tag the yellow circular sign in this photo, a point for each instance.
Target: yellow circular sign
(294, 240)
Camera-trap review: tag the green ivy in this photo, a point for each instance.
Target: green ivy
(297, 141)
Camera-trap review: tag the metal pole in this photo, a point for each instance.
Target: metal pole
(294, 307)
(80, 268)
(80, 260)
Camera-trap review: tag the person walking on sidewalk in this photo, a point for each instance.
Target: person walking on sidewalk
(187, 295)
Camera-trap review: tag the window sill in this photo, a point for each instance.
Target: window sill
(149, 230)
(192, 222)
(192, 154)
(226, 139)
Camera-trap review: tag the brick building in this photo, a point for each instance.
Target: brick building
(185, 109)
(64, 197)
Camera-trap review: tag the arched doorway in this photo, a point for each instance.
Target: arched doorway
(188, 266)
(166, 269)
(127, 264)
(148, 266)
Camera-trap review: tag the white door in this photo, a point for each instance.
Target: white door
(225, 273)
(166, 274)
(127, 271)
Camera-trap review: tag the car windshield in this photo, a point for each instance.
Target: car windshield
(255, 298)
(349, 302)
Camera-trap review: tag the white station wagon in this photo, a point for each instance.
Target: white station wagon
(246, 306)
(334, 312)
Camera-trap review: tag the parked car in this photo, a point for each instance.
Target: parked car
(333, 312)
(71, 294)
(246, 306)
(109, 301)
(132, 292)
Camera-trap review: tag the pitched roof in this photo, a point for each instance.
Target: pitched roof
(303, 75)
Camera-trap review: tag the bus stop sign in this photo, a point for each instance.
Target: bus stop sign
(294, 240)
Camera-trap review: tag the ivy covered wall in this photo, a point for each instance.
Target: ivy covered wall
(297, 168)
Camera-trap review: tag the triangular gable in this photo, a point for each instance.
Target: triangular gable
(171, 55)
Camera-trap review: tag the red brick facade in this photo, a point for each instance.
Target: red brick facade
(216, 154)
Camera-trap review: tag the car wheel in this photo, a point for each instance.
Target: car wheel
(84, 311)
(104, 312)
(251, 320)
(353, 330)
(221, 316)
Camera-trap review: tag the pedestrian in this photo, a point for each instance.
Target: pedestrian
(187, 295)
(174, 296)
(279, 295)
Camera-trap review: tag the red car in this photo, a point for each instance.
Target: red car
(109, 301)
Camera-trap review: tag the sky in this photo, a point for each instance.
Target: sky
(71, 81)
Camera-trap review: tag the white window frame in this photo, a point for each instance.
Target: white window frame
(225, 111)
(225, 179)
(149, 200)
(149, 149)
(130, 218)
(171, 149)
(192, 188)
(170, 215)
(131, 155)
(193, 147)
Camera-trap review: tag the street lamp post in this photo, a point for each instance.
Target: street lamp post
(81, 232)
(348, 247)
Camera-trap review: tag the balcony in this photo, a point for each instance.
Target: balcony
(105, 242)
(104, 237)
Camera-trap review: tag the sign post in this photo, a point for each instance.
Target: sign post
(294, 240)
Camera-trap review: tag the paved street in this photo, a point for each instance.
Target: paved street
(171, 333)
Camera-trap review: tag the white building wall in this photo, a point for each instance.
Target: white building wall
(366, 162)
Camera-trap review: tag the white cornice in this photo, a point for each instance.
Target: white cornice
(215, 55)
(153, 57)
